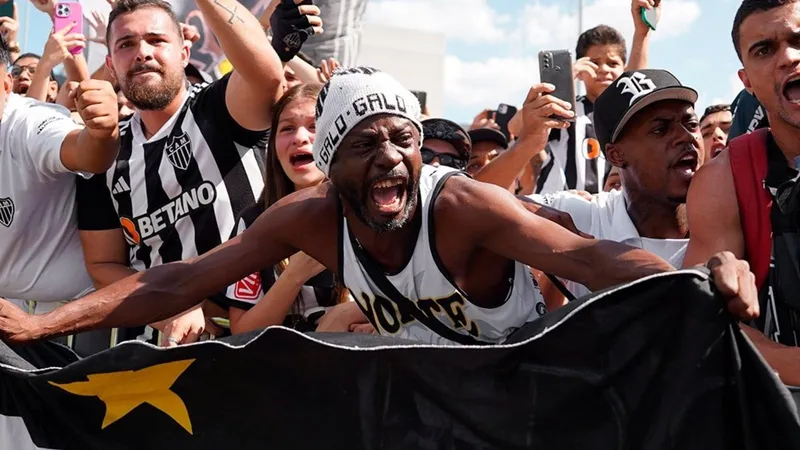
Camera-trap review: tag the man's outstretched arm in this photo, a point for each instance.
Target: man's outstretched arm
(166, 290)
(504, 226)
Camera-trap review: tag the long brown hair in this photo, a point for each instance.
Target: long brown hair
(278, 185)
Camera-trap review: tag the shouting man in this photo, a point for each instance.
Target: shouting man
(746, 199)
(428, 255)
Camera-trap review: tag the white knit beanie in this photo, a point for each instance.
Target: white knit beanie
(349, 97)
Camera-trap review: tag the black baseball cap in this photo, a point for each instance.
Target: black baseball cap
(629, 94)
(488, 135)
(448, 131)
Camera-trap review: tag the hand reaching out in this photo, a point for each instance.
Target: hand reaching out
(46, 6)
(485, 119)
(636, 5)
(9, 27)
(584, 69)
(58, 46)
(190, 33)
(326, 69)
(99, 23)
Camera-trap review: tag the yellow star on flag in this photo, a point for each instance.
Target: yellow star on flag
(123, 391)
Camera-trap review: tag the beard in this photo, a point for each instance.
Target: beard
(358, 204)
(151, 98)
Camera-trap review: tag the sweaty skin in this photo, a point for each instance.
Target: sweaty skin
(482, 230)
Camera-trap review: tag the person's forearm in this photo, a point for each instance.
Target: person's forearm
(140, 299)
(504, 169)
(243, 42)
(785, 361)
(303, 70)
(97, 155)
(40, 83)
(640, 52)
(106, 274)
(272, 309)
(76, 68)
(608, 263)
(102, 74)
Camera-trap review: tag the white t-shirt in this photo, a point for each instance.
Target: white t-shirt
(42, 259)
(606, 217)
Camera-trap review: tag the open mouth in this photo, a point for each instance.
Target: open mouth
(791, 89)
(301, 159)
(687, 164)
(388, 195)
(716, 149)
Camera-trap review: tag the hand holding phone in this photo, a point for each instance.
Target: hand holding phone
(69, 14)
(555, 68)
(646, 14)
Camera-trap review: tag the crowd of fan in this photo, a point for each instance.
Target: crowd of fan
(248, 157)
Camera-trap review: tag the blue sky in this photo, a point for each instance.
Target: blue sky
(492, 44)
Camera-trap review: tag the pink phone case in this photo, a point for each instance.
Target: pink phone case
(67, 13)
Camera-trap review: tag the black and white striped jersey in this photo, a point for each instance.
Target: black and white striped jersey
(574, 159)
(177, 194)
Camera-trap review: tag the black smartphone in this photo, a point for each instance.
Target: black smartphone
(555, 67)
(503, 115)
(7, 9)
(422, 96)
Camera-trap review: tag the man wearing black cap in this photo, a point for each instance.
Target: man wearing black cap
(487, 143)
(445, 143)
(648, 129)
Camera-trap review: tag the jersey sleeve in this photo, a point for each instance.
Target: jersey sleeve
(211, 101)
(95, 208)
(40, 129)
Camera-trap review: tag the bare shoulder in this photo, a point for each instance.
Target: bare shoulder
(465, 193)
(481, 206)
(713, 213)
(712, 190)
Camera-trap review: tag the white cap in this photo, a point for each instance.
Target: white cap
(349, 97)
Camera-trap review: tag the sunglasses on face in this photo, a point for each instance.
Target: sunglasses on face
(445, 159)
(17, 70)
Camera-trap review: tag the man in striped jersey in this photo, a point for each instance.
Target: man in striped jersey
(190, 158)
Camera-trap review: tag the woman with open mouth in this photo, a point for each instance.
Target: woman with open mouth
(299, 291)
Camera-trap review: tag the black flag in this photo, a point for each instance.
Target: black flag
(657, 364)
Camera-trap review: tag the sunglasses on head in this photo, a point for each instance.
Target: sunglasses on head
(445, 159)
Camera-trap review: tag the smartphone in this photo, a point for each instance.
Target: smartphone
(555, 67)
(503, 115)
(67, 13)
(7, 9)
(422, 96)
(650, 17)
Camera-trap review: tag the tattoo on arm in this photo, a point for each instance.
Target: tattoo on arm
(233, 12)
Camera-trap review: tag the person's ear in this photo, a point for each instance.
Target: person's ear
(746, 81)
(616, 156)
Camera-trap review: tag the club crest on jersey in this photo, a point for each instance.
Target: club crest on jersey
(179, 151)
(6, 211)
(248, 288)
